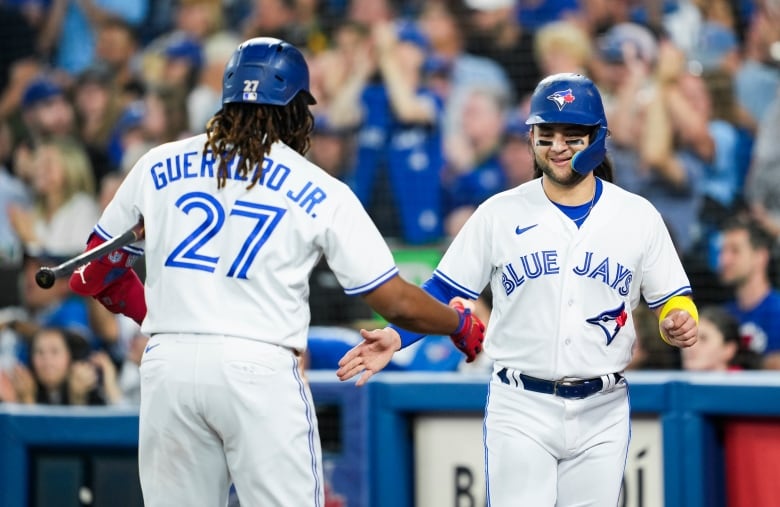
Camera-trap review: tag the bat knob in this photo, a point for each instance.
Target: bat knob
(45, 278)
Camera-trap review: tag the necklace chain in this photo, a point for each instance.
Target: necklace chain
(590, 208)
(592, 201)
(583, 217)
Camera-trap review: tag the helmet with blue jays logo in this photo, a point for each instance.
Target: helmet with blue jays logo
(265, 70)
(572, 99)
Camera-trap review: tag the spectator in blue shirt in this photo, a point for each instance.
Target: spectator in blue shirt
(71, 26)
(744, 263)
(399, 149)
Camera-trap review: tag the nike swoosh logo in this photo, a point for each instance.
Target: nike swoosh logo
(151, 346)
(519, 231)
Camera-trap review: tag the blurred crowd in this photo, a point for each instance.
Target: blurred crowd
(421, 109)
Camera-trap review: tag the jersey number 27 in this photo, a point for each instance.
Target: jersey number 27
(186, 254)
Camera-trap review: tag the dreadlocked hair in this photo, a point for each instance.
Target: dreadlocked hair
(249, 130)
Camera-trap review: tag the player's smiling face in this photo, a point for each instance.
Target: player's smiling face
(554, 146)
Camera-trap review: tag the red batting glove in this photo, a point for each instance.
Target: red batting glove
(96, 276)
(112, 282)
(126, 296)
(470, 334)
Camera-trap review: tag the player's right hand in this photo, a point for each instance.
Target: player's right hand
(470, 335)
(369, 356)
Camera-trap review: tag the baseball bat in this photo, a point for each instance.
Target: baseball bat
(46, 276)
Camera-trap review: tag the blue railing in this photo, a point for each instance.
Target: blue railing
(374, 463)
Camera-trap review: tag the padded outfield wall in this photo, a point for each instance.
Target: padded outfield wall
(698, 440)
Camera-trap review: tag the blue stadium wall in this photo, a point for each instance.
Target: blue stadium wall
(371, 442)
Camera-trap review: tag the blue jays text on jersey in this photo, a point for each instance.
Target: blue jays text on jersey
(186, 165)
(545, 262)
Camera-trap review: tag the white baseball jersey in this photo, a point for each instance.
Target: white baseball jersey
(236, 261)
(562, 296)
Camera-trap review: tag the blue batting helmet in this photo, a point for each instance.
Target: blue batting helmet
(572, 99)
(265, 70)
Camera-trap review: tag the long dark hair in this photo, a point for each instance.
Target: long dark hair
(249, 130)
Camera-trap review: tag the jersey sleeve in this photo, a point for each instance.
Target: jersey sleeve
(466, 265)
(125, 208)
(663, 275)
(356, 252)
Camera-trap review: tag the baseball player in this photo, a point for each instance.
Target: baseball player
(235, 219)
(568, 256)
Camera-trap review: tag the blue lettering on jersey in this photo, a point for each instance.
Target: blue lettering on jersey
(619, 280)
(536, 264)
(207, 165)
(174, 174)
(188, 164)
(544, 263)
(175, 168)
(158, 175)
(234, 167)
(274, 176)
(308, 198)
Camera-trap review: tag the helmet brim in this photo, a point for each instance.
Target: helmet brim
(564, 117)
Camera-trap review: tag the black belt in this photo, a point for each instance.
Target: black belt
(571, 389)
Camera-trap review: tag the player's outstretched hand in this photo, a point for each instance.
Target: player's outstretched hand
(370, 355)
(680, 329)
(470, 334)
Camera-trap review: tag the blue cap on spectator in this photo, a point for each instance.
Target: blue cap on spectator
(407, 31)
(323, 127)
(713, 44)
(185, 48)
(610, 45)
(515, 125)
(39, 90)
(131, 118)
(437, 65)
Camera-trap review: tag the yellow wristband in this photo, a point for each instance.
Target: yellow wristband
(677, 303)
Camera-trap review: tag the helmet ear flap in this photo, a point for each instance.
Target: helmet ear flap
(588, 159)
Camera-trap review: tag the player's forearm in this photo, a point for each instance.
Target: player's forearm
(410, 307)
(422, 314)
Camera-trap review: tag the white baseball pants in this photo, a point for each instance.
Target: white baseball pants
(216, 410)
(543, 451)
